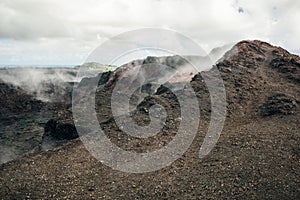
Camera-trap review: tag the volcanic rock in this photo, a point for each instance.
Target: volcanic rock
(15, 100)
(61, 126)
(280, 104)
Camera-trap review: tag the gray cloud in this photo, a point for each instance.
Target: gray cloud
(30, 20)
(43, 31)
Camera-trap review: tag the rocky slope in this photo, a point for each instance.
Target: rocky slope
(23, 118)
(257, 155)
(19, 117)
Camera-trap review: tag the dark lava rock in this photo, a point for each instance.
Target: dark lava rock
(280, 104)
(287, 67)
(61, 127)
(22, 119)
(56, 92)
(15, 100)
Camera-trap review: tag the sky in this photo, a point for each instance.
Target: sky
(65, 32)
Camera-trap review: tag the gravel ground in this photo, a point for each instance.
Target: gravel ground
(254, 160)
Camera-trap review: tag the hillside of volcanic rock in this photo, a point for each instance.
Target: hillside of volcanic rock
(260, 80)
(19, 113)
(15, 100)
(257, 155)
(22, 120)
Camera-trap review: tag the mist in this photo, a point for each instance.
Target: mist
(45, 84)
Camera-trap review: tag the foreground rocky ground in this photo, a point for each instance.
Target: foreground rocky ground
(259, 159)
(256, 157)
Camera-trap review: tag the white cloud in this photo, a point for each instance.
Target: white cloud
(65, 31)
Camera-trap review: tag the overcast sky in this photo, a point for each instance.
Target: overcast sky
(66, 31)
